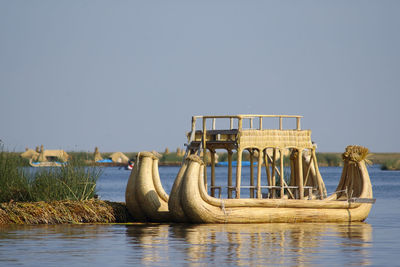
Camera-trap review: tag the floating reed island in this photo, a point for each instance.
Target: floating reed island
(293, 192)
(65, 194)
(64, 212)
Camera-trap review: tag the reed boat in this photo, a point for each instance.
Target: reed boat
(286, 186)
(46, 158)
(46, 163)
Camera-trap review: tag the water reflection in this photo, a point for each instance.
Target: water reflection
(252, 244)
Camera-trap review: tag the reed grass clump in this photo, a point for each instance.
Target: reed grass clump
(14, 183)
(81, 156)
(73, 181)
(329, 159)
(391, 165)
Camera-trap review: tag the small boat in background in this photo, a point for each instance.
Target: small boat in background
(105, 161)
(117, 159)
(46, 163)
(47, 158)
(130, 165)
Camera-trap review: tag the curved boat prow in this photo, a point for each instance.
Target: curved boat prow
(355, 182)
(145, 197)
(174, 203)
(353, 206)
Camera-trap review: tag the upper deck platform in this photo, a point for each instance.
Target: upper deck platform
(234, 134)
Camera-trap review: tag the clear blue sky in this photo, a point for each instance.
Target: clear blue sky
(128, 75)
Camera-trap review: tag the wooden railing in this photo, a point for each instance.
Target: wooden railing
(241, 118)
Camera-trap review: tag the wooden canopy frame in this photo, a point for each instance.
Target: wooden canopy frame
(305, 179)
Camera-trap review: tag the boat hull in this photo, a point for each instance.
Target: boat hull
(145, 198)
(46, 164)
(189, 201)
(199, 207)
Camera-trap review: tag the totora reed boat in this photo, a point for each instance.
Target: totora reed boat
(281, 184)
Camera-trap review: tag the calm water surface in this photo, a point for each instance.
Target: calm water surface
(375, 242)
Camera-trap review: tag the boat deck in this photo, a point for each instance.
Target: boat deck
(238, 136)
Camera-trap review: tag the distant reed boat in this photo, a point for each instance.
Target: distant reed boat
(298, 195)
(46, 163)
(49, 158)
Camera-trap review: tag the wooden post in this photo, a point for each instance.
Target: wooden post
(273, 174)
(213, 124)
(319, 178)
(205, 151)
(212, 173)
(239, 161)
(251, 172)
(282, 174)
(193, 133)
(292, 171)
(260, 121)
(230, 173)
(259, 174)
(308, 170)
(251, 123)
(298, 123)
(240, 124)
(231, 123)
(267, 167)
(300, 173)
(280, 123)
(238, 172)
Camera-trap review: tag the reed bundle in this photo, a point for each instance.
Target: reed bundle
(63, 212)
(356, 154)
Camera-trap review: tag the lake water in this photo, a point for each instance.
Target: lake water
(375, 242)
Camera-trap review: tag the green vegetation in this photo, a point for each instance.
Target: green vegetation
(74, 181)
(391, 165)
(171, 158)
(14, 183)
(224, 157)
(329, 159)
(81, 156)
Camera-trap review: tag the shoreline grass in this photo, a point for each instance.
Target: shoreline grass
(74, 181)
(391, 165)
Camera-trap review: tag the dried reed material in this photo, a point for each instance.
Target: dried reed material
(199, 207)
(355, 154)
(119, 157)
(145, 196)
(30, 154)
(63, 212)
(97, 156)
(280, 139)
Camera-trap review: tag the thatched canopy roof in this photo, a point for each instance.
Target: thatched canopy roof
(60, 154)
(119, 157)
(30, 154)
